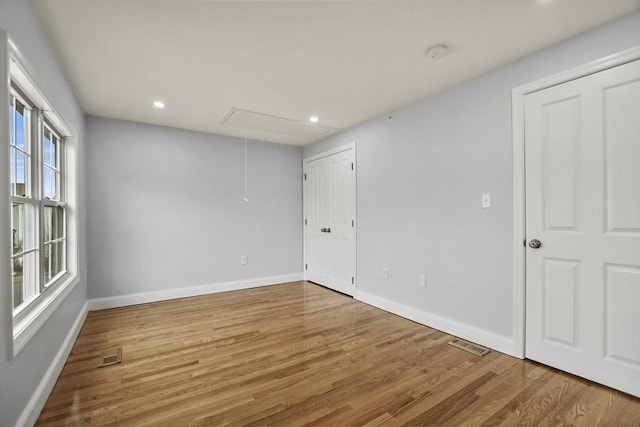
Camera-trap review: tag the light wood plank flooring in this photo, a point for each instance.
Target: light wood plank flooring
(300, 354)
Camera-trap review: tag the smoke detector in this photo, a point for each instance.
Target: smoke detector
(437, 51)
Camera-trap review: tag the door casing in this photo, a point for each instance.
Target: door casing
(518, 140)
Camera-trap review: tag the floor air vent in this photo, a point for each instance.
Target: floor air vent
(110, 357)
(470, 347)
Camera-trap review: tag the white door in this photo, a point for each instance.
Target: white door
(582, 149)
(330, 234)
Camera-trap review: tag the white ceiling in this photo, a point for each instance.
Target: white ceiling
(344, 61)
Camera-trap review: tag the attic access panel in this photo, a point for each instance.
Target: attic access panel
(289, 128)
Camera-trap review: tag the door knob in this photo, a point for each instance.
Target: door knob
(535, 243)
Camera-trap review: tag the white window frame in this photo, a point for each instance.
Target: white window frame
(31, 238)
(15, 71)
(59, 171)
(36, 201)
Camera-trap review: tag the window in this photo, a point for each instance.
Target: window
(36, 156)
(43, 200)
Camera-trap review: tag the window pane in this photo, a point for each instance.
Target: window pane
(49, 148)
(17, 281)
(12, 161)
(20, 125)
(12, 119)
(19, 180)
(17, 228)
(60, 258)
(53, 260)
(46, 223)
(25, 279)
(47, 263)
(58, 223)
(53, 223)
(50, 183)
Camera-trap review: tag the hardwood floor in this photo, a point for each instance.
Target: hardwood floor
(300, 354)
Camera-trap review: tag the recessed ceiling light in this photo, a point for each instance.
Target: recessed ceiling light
(313, 119)
(158, 104)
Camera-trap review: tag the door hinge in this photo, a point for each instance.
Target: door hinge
(353, 280)
(305, 266)
(305, 176)
(353, 222)
(351, 166)
(305, 221)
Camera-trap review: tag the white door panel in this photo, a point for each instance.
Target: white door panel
(316, 247)
(622, 165)
(330, 206)
(582, 152)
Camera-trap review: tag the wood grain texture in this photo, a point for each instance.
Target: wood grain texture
(300, 354)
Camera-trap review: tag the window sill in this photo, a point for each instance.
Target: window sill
(27, 326)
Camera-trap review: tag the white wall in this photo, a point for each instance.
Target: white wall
(165, 208)
(420, 180)
(21, 376)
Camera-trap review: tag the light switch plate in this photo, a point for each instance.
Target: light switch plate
(422, 280)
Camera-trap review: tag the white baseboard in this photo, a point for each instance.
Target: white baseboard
(39, 398)
(168, 294)
(479, 336)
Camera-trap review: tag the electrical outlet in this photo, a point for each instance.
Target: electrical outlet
(385, 273)
(486, 200)
(422, 280)
(244, 260)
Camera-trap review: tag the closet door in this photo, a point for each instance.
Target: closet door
(582, 148)
(330, 237)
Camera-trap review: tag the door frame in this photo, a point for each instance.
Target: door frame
(336, 150)
(518, 139)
